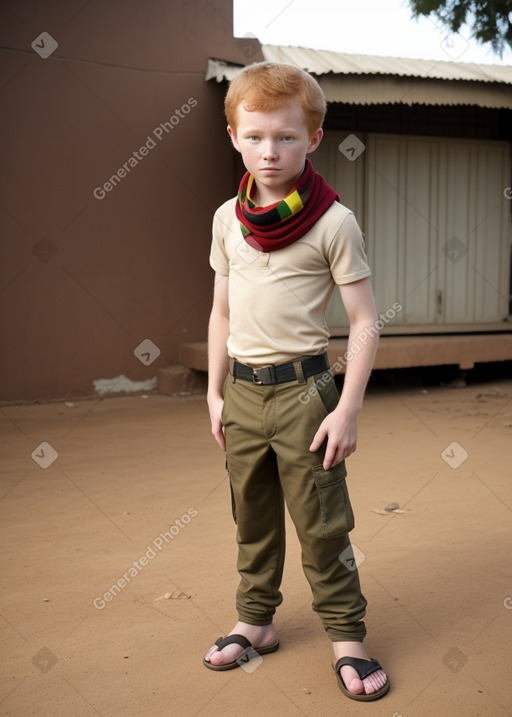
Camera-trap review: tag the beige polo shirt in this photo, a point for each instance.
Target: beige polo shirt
(278, 300)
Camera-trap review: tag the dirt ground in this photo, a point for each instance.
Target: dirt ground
(119, 561)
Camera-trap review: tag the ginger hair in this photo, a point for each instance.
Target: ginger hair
(266, 86)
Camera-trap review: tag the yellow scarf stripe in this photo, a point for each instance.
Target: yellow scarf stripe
(294, 202)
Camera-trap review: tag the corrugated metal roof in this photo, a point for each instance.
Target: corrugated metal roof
(388, 89)
(320, 62)
(365, 79)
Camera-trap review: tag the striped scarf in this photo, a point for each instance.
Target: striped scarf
(280, 224)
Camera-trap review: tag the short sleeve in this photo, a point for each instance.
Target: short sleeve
(347, 256)
(219, 260)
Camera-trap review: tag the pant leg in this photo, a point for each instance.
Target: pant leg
(319, 506)
(258, 503)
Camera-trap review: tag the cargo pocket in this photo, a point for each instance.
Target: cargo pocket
(335, 508)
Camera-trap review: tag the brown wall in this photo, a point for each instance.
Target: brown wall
(85, 280)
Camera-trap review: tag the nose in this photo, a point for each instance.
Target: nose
(269, 150)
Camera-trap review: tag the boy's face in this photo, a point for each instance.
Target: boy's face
(273, 146)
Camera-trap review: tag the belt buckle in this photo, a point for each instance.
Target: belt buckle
(255, 377)
(264, 375)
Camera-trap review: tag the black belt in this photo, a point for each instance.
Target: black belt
(280, 373)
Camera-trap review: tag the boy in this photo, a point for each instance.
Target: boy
(277, 251)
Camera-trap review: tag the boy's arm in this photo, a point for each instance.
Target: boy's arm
(218, 332)
(340, 426)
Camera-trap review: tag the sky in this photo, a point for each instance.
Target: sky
(365, 27)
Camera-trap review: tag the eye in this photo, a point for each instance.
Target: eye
(286, 138)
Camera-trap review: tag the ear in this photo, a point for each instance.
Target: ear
(234, 140)
(315, 140)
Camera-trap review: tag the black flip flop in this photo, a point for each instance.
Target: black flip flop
(243, 642)
(364, 668)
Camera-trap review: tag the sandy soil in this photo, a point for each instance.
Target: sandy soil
(137, 489)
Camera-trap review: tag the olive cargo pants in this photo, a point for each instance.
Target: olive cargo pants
(269, 429)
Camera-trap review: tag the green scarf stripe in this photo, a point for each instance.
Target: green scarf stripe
(283, 210)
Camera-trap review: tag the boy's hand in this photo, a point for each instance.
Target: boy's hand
(340, 430)
(215, 405)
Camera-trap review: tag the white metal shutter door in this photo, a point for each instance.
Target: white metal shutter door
(439, 230)
(474, 233)
(402, 207)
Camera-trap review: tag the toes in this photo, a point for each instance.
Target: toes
(355, 686)
(223, 657)
(209, 654)
(382, 678)
(216, 658)
(374, 682)
(368, 686)
(352, 681)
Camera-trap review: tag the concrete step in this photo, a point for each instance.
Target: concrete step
(194, 355)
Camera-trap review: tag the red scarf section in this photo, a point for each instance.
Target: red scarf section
(280, 224)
